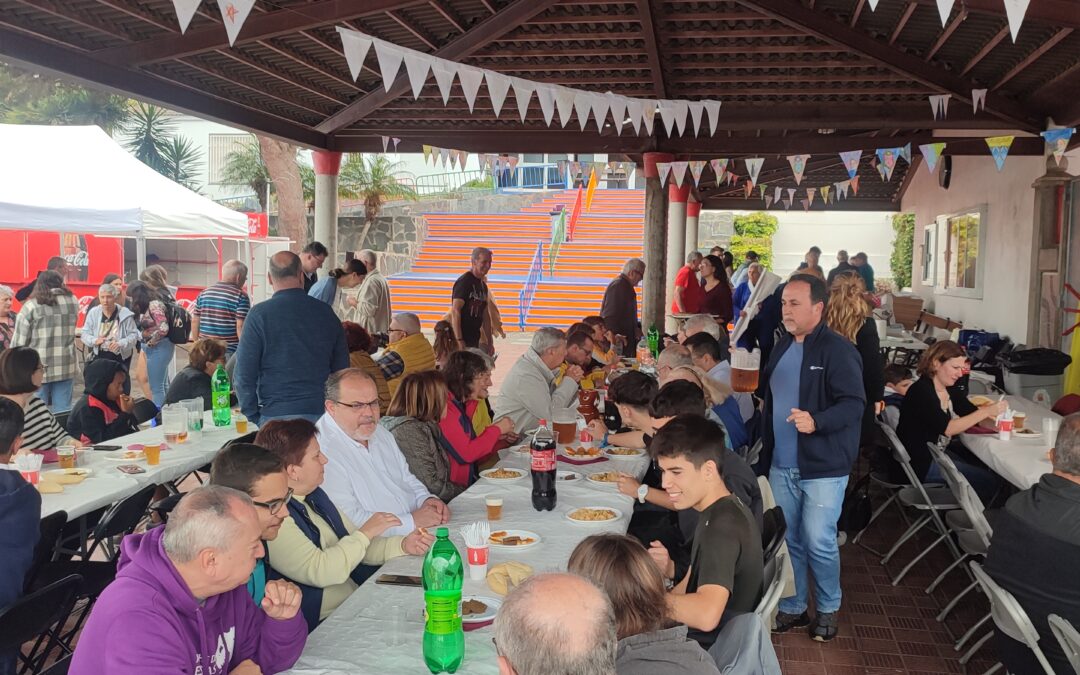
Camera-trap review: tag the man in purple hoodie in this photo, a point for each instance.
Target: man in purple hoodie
(179, 603)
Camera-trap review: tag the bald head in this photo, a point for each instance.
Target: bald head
(556, 609)
(285, 271)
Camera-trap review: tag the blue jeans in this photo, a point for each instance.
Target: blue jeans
(985, 482)
(57, 395)
(811, 508)
(158, 359)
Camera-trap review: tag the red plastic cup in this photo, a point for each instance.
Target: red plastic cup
(478, 562)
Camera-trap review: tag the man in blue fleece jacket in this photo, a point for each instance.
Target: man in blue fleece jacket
(810, 426)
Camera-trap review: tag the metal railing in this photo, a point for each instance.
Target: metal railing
(528, 290)
(454, 182)
(574, 214)
(531, 177)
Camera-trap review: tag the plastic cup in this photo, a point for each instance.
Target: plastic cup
(172, 437)
(494, 507)
(478, 562)
(241, 423)
(153, 453)
(29, 465)
(65, 454)
(1018, 420)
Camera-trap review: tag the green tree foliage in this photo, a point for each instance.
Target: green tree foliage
(373, 179)
(182, 160)
(903, 247)
(150, 135)
(30, 98)
(754, 232)
(245, 166)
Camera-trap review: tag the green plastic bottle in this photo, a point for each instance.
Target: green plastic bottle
(444, 640)
(654, 341)
(220, 389)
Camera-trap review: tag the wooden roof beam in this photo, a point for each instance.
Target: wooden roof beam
(280, 96)
(828, 29)
(484, 33)
(855, 14)
(908, 11)
(280, 75)
(1033, 57)
(946, 34)
(449, 14)
(1060, 13)
(416, 32)
(909, 175)
(308, 62)
(128, 9)
(652, 39)
(986, 49)
(77, 18)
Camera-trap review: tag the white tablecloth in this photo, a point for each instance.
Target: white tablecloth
(914, 344)
(1020, 461)
(379, 629)
(108, 485)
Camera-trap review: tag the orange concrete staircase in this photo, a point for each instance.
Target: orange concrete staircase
(603, 239)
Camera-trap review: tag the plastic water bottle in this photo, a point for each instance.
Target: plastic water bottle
(220, 389)
(444, 640)
(542, 465)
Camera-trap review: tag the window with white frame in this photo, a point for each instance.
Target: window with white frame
(929, 254)
(961, 245)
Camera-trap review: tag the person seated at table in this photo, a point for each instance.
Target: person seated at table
(650, 643)
(21, 372)
(698, 323)
(897, 382)
(603, 341)
(579, 352)
(193, 380)
(713, 357)
(366, 470)
(930, 411)
(726, 568)
(720, 406)
(20, 513)
(468, 379)
(318, 547)
(260, 474)
(1035, 552)
(414, 420)
(360, 346)
(179, 602)
(408, 350)
(104, 411)
(631, 394)
(535, 393)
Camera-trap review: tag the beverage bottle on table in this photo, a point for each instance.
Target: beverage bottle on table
(643, 350)
(542, 455)
(220, 389)
(444, 641)
(654, 341)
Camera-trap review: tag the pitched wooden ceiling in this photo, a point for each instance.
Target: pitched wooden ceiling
(795, 76)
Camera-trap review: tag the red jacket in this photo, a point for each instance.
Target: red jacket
(457, 427)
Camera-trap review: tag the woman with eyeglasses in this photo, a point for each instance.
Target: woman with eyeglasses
(318, 547)
(360, 344)
(104, 411)
(21, 372)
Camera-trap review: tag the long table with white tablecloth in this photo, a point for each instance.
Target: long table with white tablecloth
(379, 628)
(1021, 461)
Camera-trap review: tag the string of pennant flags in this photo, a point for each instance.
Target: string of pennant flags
(496, 163)
(1014, 12)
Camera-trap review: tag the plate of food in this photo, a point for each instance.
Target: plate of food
(979, 400)
(479, 608)
(588, 515)
(503, 475)
(617, 452)
(580, 451)
(125, 456)
(1027, 433)
(522, 449)
(606, 479)
(515, 539)
(67, 476)
(564, 476)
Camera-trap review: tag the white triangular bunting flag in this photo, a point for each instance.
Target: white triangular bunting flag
(444, 155)
(696, 167)
(768, 201)
(753, 167)
(842, 187)
(453, 159)
(778, 194)
(648, 116)
(873, 5)
(390, 58)
(668, 111)
(713, 109)
(356, 48)
(497, 86)
(805, 204)
(417, 66)
(944, 8)
(791, 194)
(663, 169)
(678, 169)
(617, 105)
(732, 179)
(470, 79)
(185, 11)
(582, 106)
(635, 108)
(513, 161)
(810, 194)
(939, 104)
(564, 103)
(978, 100)
(787, 204)
(798, 166)
(599, 104)
(546, 96)
(682, 109)
(395, 142)
(444, 72)
(385, 143)
(697, 109)
(523, 91)
(1015, 11)
(233, 14)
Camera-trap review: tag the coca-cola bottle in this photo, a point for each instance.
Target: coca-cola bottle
(542, 451)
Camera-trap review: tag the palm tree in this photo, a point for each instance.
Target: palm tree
(29, 98)
(245, 166)
(148, 132)
(374, 180)
(182, 161)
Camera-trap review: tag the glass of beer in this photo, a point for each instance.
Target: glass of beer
(241, 423)
(1018, 420)
(494, 507)
(153, 453)
(65, 454)
(745, 367)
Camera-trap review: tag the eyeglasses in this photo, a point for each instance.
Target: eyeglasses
(274, 506)
(359, 405)
(395, 330)
(42, 367)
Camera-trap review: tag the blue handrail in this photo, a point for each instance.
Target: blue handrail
(528, 290)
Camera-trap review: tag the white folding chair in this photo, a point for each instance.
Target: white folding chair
(1009, 616)
(931, 500)
(774, 587)
(1068, 638)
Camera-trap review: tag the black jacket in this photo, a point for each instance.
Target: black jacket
(831, 390)
(88, 421)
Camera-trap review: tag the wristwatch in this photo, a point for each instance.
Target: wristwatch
(642, 492)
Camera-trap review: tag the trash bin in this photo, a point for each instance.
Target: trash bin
(1031, 371)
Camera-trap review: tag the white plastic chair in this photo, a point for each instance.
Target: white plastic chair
(1067, 637)
(1009, 616)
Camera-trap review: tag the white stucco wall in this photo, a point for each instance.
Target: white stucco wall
(852, 231)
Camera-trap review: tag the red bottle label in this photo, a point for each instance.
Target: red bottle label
(543, 460)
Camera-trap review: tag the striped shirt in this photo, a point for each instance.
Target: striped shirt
(219, 307)
(42, 431)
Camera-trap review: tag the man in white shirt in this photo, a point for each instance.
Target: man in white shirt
(711, 355)
(365, 471)
(373, 299)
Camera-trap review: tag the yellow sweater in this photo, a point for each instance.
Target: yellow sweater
(590, 381)
(416, 352)
(293, 555)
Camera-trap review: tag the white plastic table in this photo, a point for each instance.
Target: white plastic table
(379, 628)
(1020, 461)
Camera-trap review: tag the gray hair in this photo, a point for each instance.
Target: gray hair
(693, 256)
(841, 255)
(6, 291)
(752, 267)
(702, 323)
(333, 383)
(526, 637)
(203, 519)
(409, 322)
(369, 258)
(634, 265)
(480, 252)
(1067, 446)
(546, 338)
(107, 289)
(234, 270)
(484, 355)
(675, 355)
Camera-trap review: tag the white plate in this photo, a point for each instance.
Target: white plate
(487, 475)
(120, 456)
(607, 485)
(1033, 436)
(493, 605)
(77, 470)
(524, 534)
(522, 449)
(637, 453)
(617, 512)
(563, 451)
(574, 477)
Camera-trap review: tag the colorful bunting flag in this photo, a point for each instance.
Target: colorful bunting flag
(854, 185)
(999, 148)
(905, 152)
(805, 204)
(931, 152)
(887, 157)
(748, 187)
(761, 189)
(825, 193)
(395, 141)
(696, 167)
(798, 166)
(719, 167)
(810, 193)
(753, 167)
(427, 153)
(851, 161)
(1057, 140)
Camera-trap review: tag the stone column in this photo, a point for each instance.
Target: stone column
(676, 244)
(1048, 259)
(652, 304)
(693, 212)
(327, 167)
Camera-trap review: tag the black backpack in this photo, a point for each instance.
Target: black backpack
(179, 321)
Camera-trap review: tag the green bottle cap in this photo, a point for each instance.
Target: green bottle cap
(442, 532)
